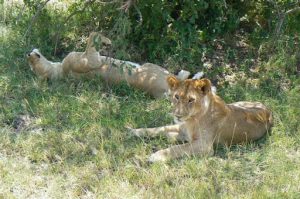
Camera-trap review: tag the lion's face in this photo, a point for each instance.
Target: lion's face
(189, 97)
(33, 58)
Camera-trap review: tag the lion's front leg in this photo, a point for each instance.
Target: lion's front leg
(171, 131)
(194, 148)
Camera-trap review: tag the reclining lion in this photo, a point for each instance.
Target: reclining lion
(148, 77)
(44, 68)
(206, 120)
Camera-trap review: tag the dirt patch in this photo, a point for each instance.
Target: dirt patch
(25, 122)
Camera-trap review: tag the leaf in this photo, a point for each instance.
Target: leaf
(114, 65)
(121, 70)
(97, 42)
(123, 64)
(129, 71)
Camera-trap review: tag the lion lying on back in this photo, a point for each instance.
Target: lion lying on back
(206, 120)
(148, 77)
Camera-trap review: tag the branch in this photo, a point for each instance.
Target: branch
(292, 10)
(108, 2)
(132, 3)
(126, 6)
(225, 4)
(86, 4)
(282, 17)
(34, 17)
(20, 14)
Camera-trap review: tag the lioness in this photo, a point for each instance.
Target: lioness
(205, 120)
(43, 67)
(75, 63)
(147, 77)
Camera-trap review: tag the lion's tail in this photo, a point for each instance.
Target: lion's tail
(183, 74)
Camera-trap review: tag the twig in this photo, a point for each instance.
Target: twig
(20, 13)
(282, 16)
(108, 2)
(132, 3)
(34, 17)
(126, 6)
(292, 10)
(225, 4)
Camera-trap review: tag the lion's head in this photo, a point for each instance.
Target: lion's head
(189, 97)
(42, 67)
(33, 58)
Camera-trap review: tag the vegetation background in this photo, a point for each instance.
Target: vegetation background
(68, 139)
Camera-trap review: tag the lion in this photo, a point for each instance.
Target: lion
(77, 63)
(206, 120)
(148, 77)
(42, 67)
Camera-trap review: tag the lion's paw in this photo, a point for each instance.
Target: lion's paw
(159, 156)
(137, 132)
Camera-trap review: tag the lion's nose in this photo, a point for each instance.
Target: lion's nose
(28, 54)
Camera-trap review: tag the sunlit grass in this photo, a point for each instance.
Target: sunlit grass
(77, 145)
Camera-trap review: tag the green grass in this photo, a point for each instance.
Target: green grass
(77, 145)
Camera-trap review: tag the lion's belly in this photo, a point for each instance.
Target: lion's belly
(247, 121)
(152, 79)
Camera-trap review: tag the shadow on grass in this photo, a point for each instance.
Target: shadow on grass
(222, 151)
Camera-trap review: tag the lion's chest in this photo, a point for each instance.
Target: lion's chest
(201, 129)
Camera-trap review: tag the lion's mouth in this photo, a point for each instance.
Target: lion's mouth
(180, 118)
(183, 117)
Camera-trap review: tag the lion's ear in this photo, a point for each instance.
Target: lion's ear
(173, 82)
(203, 85)
(38, 55)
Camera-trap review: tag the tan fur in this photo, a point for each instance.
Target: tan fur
(43, 67)
(78, 63)
(206, 120)
(148, 77)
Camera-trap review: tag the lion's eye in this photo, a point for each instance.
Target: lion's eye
(191, 100)
(176, 97)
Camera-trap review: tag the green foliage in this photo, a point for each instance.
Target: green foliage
(152, 30)
(180, 28)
